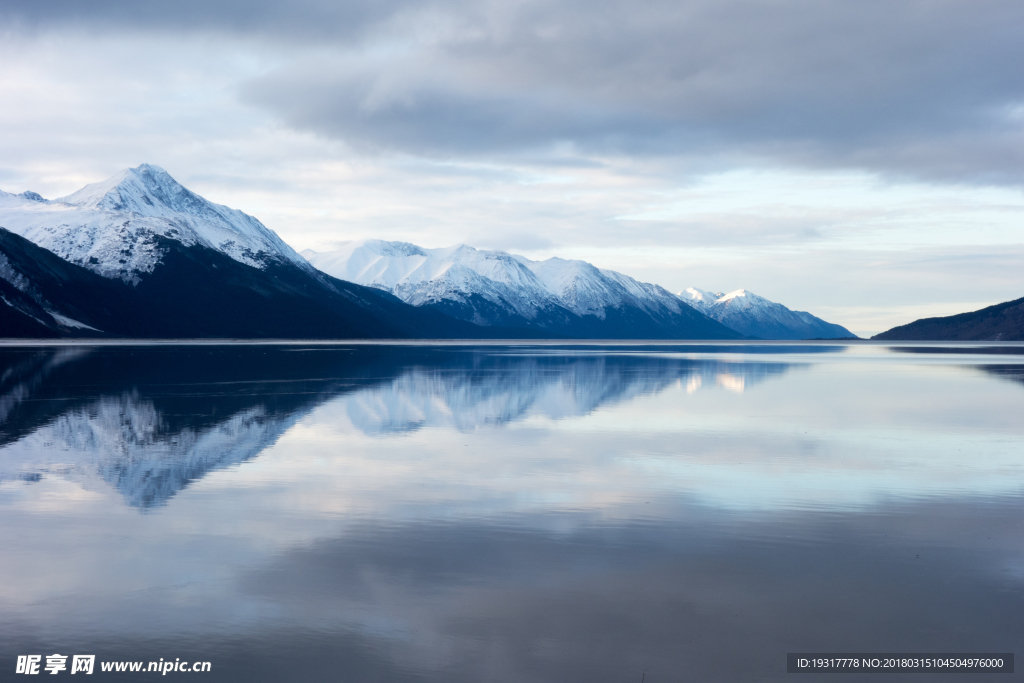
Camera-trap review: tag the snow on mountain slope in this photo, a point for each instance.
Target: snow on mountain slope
(756, 316)
(526, 288)
(421, 276)
(115, 227)
(700, 299)
(588, 290)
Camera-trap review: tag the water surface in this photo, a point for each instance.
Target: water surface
(591, 512)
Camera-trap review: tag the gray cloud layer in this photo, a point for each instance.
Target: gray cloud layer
(930, 89)
(295, 20)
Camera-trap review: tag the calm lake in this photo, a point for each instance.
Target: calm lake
(529, 512)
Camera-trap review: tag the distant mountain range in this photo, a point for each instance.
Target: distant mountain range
(138, 255)
(1002, 322)
(558, 297)
(564, 297)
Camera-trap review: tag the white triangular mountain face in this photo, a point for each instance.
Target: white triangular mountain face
(756, 316)
(115, 227)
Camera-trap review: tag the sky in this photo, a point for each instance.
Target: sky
(863, 161)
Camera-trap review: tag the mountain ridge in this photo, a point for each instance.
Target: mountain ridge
(557, 296)
(566, 295)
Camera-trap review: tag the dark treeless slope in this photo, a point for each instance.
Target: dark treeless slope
(1002, 322)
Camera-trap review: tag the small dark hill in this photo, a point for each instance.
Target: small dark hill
(1002, 322)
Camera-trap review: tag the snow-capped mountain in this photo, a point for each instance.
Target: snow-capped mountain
(755, 316)
(450, 277)
(138, 255)
(559, 296)
(114, 227)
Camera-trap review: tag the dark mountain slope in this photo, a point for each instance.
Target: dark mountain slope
(1002, 322)
(39, 285)
(199, 292)
(15, 323)
(620, 322)
(425, 322)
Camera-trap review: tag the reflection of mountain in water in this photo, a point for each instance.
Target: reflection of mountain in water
(1014, 373)
(1010, 371)
(498, 388)
(125, 441)
(150, 420)
(23, 374)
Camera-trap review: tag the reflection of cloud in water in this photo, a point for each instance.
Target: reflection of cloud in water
(472, 600)
(594, 604)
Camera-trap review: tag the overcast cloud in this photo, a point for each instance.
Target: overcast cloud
(601, 129)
